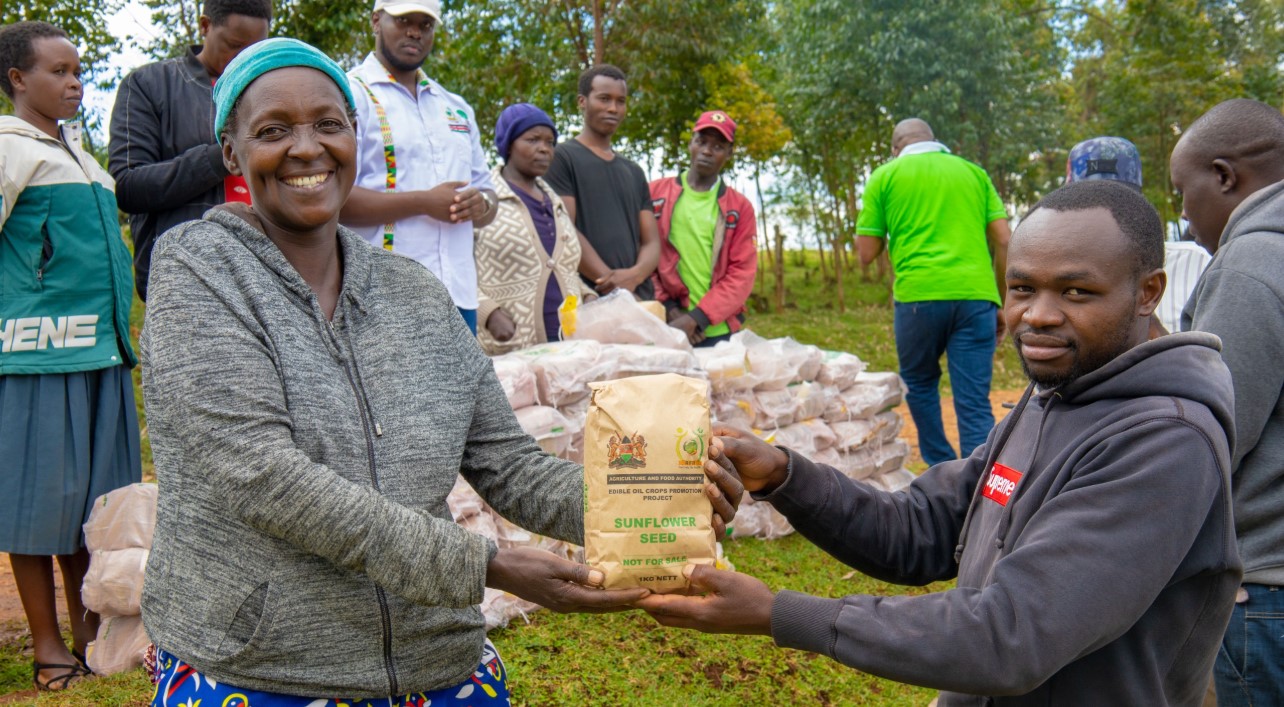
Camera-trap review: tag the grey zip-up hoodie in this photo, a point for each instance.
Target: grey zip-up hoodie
(1104, 575)
(303, 543)
(1240, 298)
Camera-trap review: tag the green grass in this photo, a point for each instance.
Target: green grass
(626, 658)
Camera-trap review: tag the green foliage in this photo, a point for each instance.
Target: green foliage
(498, 52)
(340, 27)
(178, 25)
(1148, 68)
(982, 73)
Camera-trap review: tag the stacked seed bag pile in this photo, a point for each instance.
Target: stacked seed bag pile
(824, 405)
(118, 535)
(821, 404)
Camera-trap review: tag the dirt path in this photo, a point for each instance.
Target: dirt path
(908, 433)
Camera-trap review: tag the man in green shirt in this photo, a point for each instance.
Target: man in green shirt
(946, 232)
(708, 236)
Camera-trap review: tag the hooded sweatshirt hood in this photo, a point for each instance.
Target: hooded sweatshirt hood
(1147, 369)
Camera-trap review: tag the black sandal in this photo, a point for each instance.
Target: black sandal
(80, 658)
(61, 682)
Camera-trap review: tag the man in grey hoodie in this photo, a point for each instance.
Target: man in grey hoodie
(1090, 535)
(1229, 168)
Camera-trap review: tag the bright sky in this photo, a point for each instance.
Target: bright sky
(132, 26)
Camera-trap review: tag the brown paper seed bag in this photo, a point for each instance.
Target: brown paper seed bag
(645, 513)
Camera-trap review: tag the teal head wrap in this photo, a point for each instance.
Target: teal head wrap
(262, 57)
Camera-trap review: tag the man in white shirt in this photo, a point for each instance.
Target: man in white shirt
(422, 180)
(1184, 261)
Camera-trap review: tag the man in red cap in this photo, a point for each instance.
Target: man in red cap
(708, 236)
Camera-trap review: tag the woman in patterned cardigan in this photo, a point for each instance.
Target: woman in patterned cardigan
(528, 258)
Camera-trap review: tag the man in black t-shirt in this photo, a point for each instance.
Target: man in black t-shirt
(607, 194)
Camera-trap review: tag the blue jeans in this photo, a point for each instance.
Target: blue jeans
(963, 330)
(470, 318)
(1250, 663)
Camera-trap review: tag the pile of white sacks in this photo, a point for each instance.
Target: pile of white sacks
(118, 535)
(821, 404)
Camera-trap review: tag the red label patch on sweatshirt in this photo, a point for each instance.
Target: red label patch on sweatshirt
(1001, 484)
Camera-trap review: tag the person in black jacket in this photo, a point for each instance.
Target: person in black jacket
(1091, 535)
(167, 166)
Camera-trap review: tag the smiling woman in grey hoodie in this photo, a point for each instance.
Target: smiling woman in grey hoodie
(311, 401)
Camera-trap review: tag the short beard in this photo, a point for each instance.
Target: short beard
(1081, 366)
(395, 63)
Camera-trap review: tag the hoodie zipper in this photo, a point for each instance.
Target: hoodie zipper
(363, 407)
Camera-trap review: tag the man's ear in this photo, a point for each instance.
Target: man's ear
(581, 101)
(205, 24)
(229, 158)
(15, 79)
(374, 21)
(1150, 289)
(1227, 179)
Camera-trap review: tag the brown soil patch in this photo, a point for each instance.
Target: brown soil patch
(914, 462)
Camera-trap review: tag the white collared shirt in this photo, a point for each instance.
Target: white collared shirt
(1184, 261)
(436, 140)
(918, 148)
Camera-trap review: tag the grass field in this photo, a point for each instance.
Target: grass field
(627, 659)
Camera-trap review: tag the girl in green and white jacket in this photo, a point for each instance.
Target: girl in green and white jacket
(68, 425)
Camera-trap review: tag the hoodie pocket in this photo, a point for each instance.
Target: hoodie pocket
(248, 624)
(46, 253)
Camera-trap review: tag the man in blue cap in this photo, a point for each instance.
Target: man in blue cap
(1117, 159)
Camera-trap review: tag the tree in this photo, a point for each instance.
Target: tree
(1148, 68)
(496, 52)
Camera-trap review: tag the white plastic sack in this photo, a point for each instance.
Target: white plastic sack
(734, 409)
(853, 433)
(810, 359)
(879, 429)
(774, 408)
(123, 518)
(463, 501)
(548, 426)
(576, 415)
(806, 438)
(483, 524)
(773, 364)
(870, 460)
(839, 369)
(727, 365)
(871, 394)
(633, 360)
(114, 582)
(121, 645)
(518, 380)
(618, 318)
(811, 400)
(759, 520)
(563, 369)
(499, 608)
(829, 456)
(894, 480)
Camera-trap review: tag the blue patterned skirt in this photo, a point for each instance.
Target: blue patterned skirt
(180, 685)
